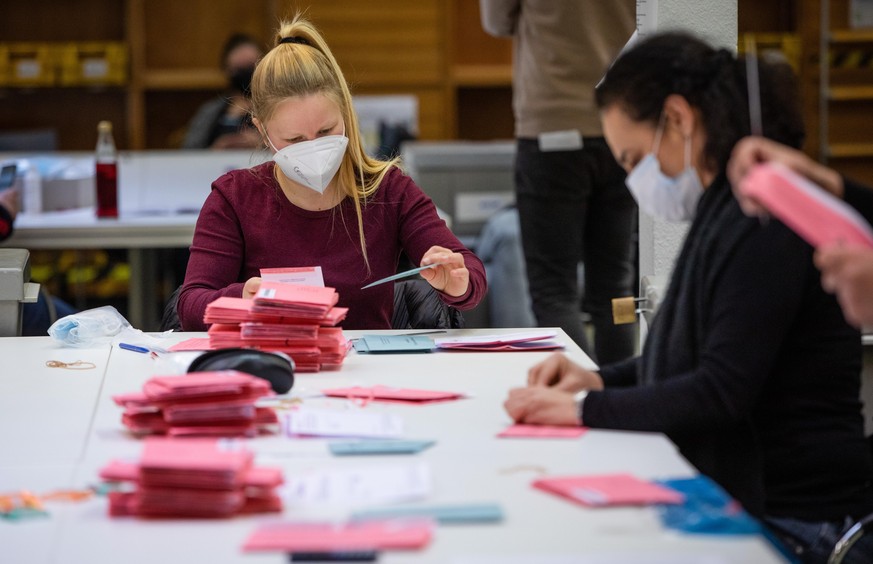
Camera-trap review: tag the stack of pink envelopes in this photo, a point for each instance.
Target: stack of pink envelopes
(220, 403)
(299, 321)
(193, 478)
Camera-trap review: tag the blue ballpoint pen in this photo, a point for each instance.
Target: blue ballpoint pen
(134, 348)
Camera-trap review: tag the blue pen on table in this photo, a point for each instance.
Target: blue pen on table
(140, 349)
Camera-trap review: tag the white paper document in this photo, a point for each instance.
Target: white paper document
(347, 423)
(302, 276)
(386, 483)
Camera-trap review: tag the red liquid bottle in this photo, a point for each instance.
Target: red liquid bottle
(106, 172)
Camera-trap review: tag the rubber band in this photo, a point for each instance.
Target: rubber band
(76, 365)
(524, 468)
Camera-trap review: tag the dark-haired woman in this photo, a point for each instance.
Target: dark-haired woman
(749, 366)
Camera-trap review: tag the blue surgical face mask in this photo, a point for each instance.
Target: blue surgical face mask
(661, 196)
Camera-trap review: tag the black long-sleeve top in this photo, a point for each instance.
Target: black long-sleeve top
(751, 369)
(859, 197)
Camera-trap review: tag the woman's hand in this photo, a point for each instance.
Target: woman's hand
(752, 151)
(563, 374)
(251, 287)
(848, 273)
(542, 406)
(451, 277)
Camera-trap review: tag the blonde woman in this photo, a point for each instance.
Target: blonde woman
(321, 201)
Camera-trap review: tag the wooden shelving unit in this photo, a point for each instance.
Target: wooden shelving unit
(835, 72)
(845, 92)
(433, 49)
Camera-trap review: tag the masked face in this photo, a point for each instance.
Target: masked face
(661, 196)
(241, 80)
(312, 163)
(311, 133)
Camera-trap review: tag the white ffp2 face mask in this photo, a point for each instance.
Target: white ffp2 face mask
(312, 163)
(661, 196)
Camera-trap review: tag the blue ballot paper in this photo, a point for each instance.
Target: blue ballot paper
(382, 344)
(707, 509)
(398, 276)
(378, 447)
(443, 514)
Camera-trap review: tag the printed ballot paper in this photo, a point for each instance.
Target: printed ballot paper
(810, 211)
(359, 485)
(335, 423)
(303, 275)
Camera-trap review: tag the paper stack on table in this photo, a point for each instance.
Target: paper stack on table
(220, 403)
(299, 321)
(193, 478)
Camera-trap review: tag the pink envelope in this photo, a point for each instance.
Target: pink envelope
(391, 394)
(609, 489)
(404, 534)
(542, 432)
(505, 347)
(817, 216)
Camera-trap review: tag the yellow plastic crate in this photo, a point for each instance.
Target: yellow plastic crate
(93, 63)
(786, 43)
(28, 64)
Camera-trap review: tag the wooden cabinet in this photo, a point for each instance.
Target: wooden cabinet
(845, 92)
(836, 77)
(433, 49)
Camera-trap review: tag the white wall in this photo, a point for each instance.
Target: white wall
(716, 22)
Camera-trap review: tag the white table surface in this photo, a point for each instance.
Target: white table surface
(58, 427)
(82, 229)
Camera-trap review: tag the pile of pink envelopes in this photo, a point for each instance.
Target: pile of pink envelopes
(297, 320)
(220, 403)
(193, 478)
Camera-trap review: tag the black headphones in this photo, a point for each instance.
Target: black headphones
(274, 367)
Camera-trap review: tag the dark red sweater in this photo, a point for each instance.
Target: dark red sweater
(247, 224)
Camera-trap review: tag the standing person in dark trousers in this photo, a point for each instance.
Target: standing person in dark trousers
(572, 201)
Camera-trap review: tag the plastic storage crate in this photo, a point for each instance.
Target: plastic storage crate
(93, 63)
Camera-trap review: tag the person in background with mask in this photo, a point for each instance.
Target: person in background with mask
(749, 366)
(321, 201)
(224, 122)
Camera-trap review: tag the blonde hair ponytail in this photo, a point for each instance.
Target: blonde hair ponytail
(301, 64)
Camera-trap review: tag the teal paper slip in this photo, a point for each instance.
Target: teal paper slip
(385, 344)
(444, 514)
(378, 447)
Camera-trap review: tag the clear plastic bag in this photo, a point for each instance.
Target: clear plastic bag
(89, 328)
